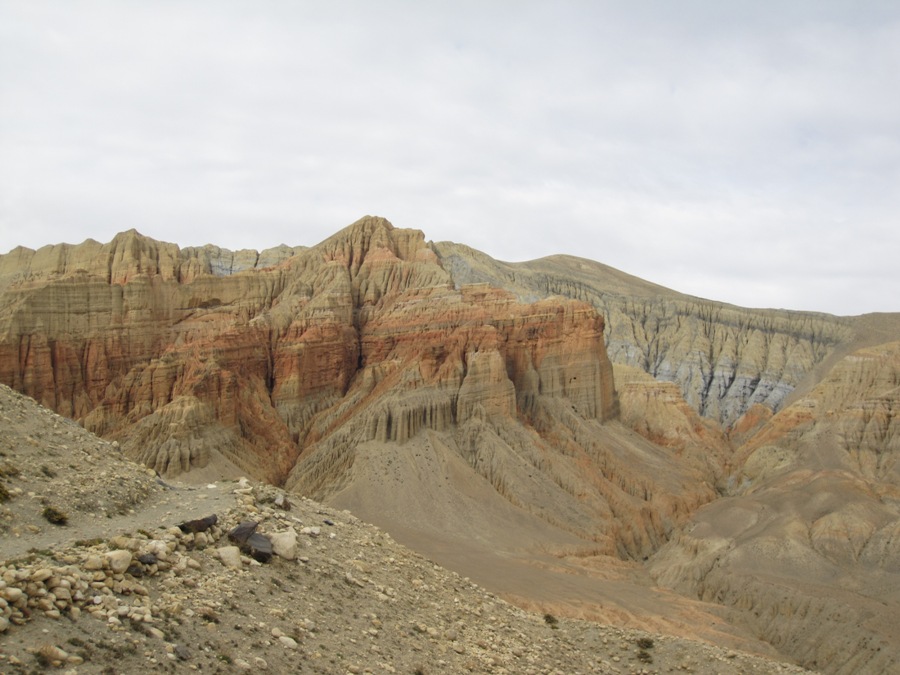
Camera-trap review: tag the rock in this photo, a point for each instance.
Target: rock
(119, 561)
(230, 556)
(259, 547)
(93, 562)
(284, 544)
(353, 581)
(242, 532)
(53, 654)
(199, 525)
(41, 574)
(11, 594)
(288, 641)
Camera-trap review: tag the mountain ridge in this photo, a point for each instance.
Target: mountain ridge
(455, 401)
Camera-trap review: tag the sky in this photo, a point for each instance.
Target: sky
(747, 152)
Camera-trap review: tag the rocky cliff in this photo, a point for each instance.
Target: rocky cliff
(804, 549)
(724, 359)
(284, 371)
(557, 430)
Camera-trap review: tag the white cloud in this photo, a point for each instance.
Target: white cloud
(744, 152)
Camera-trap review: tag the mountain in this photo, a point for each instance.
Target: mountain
(131, 574)
(574, 438)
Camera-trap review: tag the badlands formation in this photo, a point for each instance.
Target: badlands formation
(577, 441)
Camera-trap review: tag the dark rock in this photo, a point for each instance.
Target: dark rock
(200, 525)
(182, 652)
(259, 547)
(242, 532)
(147, 559)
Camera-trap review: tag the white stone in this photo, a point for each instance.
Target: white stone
(288, 642)
(284, 544)
(119, 561)
(230, 556)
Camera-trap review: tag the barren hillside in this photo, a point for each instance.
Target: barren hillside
(107, 582)
(577, 440)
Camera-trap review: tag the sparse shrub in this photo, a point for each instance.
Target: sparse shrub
(644, 656)
(7, 469)
(54, 516)
(209, 614)
(4, 494)
(645, 643)
(43, 660)
(551, 620)
(47, 471)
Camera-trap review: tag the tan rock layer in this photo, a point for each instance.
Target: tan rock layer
(725, 359)
(136, 330)
(804, 548)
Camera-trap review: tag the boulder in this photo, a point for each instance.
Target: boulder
(242, 532)
(284, 544)
(119, 561)
(258, 547)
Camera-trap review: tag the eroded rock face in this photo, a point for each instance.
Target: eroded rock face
(286, 372)
(199, 355)
(467, 404)
(725, 359)
(804, 548)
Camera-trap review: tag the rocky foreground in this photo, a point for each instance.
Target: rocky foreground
(96, 576)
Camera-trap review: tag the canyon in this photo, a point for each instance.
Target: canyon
(575, 439)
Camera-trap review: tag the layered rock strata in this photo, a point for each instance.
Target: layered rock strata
(804, 550)
(469, 407)
(725, 359)
(283, 372)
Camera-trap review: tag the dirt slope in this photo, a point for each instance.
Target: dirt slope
(118, 588)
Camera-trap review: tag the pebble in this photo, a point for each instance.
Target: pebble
(288, 641)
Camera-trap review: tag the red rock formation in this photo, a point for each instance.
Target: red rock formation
(365, 372)
(285, 372)
(137, 331)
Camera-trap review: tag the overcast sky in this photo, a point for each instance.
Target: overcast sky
(747, 152)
